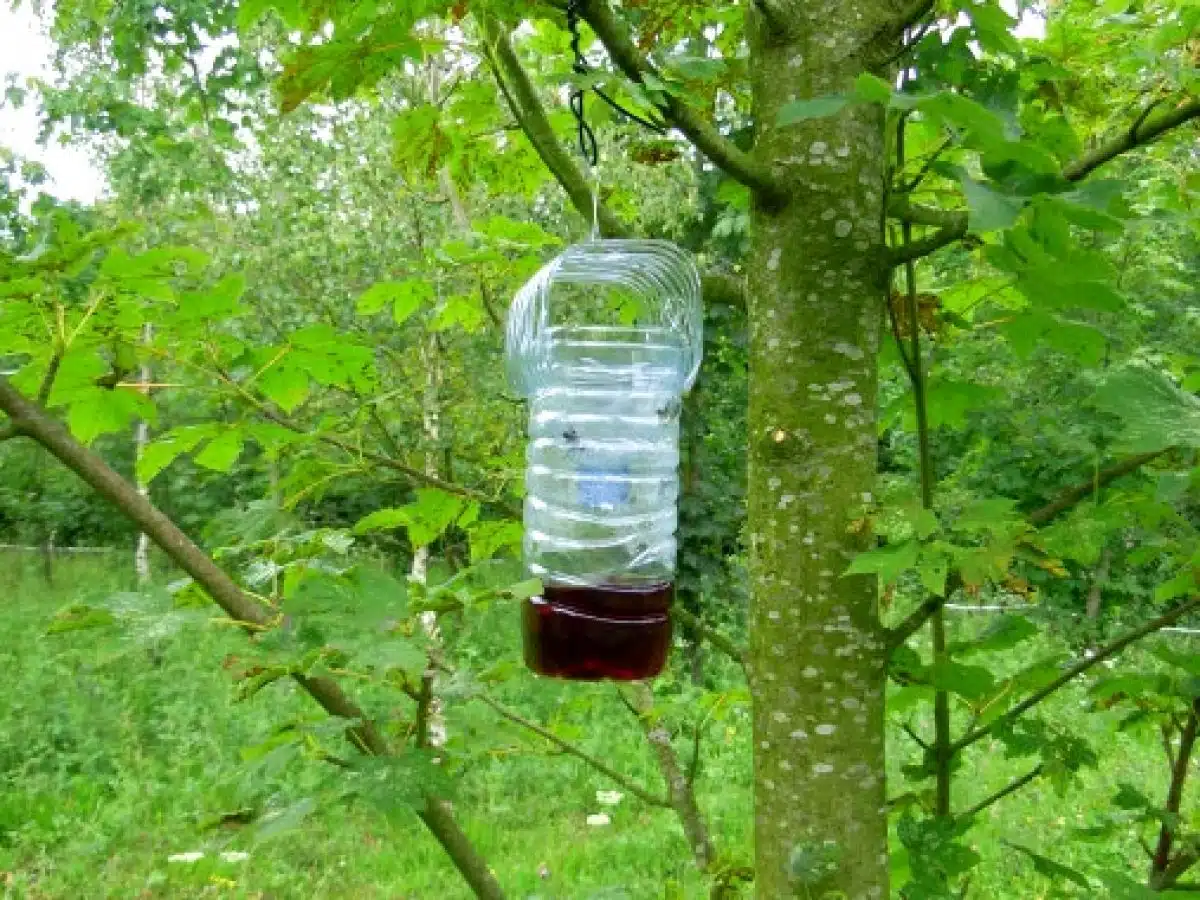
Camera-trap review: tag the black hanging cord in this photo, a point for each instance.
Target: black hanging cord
(587, 138)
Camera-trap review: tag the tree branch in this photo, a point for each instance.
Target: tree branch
(1145, 129)
(388, 462)
(940, 752)
(773, 14)
(717, 639)
(681, 795)
(953, 226)
(892, 32)
(567, 747)
(47, 385)
(1084, 489)
(523, 102)
(911, 732)
(1179, 773)
(706, 138)
(1011, 788)
(913, 13)
(239, 606)
(515, 85)
(911, 623)
(1106, 652)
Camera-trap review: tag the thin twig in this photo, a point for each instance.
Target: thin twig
(1072, 495)
(911, 732)
(47, 385)
(1011, 788)
(522, 99)
(680, 792)
(1106, 652)
(1065, 501)
(1179, 773)
(720, 641)
(953, 226)
(738, 164)
(578, 752)
(933, 157)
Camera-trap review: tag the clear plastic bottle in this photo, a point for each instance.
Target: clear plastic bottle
(604, 341)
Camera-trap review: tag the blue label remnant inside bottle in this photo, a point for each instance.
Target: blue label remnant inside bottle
(603, 490)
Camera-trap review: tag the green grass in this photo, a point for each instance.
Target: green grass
(118, 750)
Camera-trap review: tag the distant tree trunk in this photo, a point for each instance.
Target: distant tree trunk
(1095, 597)
(141, 437)
(48, 556)
(431, 425)
(817, 282)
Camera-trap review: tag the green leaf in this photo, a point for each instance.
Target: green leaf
(1154, 413)
(1132, 686)
(405, 298)
(1180, 585)
(989, 210)
(698, 68)
(432, 514)
(523, 590)
(933, 569)
(1188, 662)
(489, 538)
(285, 820)
(284, 384)
(398, 783)
(1066, 287)
(887, 561)
(463, 310)
(872, 89)
(950, 400)
(94, 412)
(79, 617)
(812, 108)
(161, 452)
(383, 520)
(1048, 868)
(1035, 329)
(1122, 887)
(393, 653)
(1130, 798)
(218, 303)
(77, 374)
(1003, 633)
(968, 682)
(222, 451)
(426, 519)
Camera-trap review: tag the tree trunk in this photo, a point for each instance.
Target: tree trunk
(817, 282)
(1095, 597)
(141, 437)
(431, 424)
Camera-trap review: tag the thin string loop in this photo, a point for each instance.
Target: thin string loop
(588, 146)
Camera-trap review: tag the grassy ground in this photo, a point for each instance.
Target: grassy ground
(118, 752)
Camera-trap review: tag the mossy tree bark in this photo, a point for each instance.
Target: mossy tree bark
(817, 282)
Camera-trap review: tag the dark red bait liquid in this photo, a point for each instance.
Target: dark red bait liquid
(617, 631)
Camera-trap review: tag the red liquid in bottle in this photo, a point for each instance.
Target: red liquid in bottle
(587, 633)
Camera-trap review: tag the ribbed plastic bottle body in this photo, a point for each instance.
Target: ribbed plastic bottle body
(601, 488)
(602, 485)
